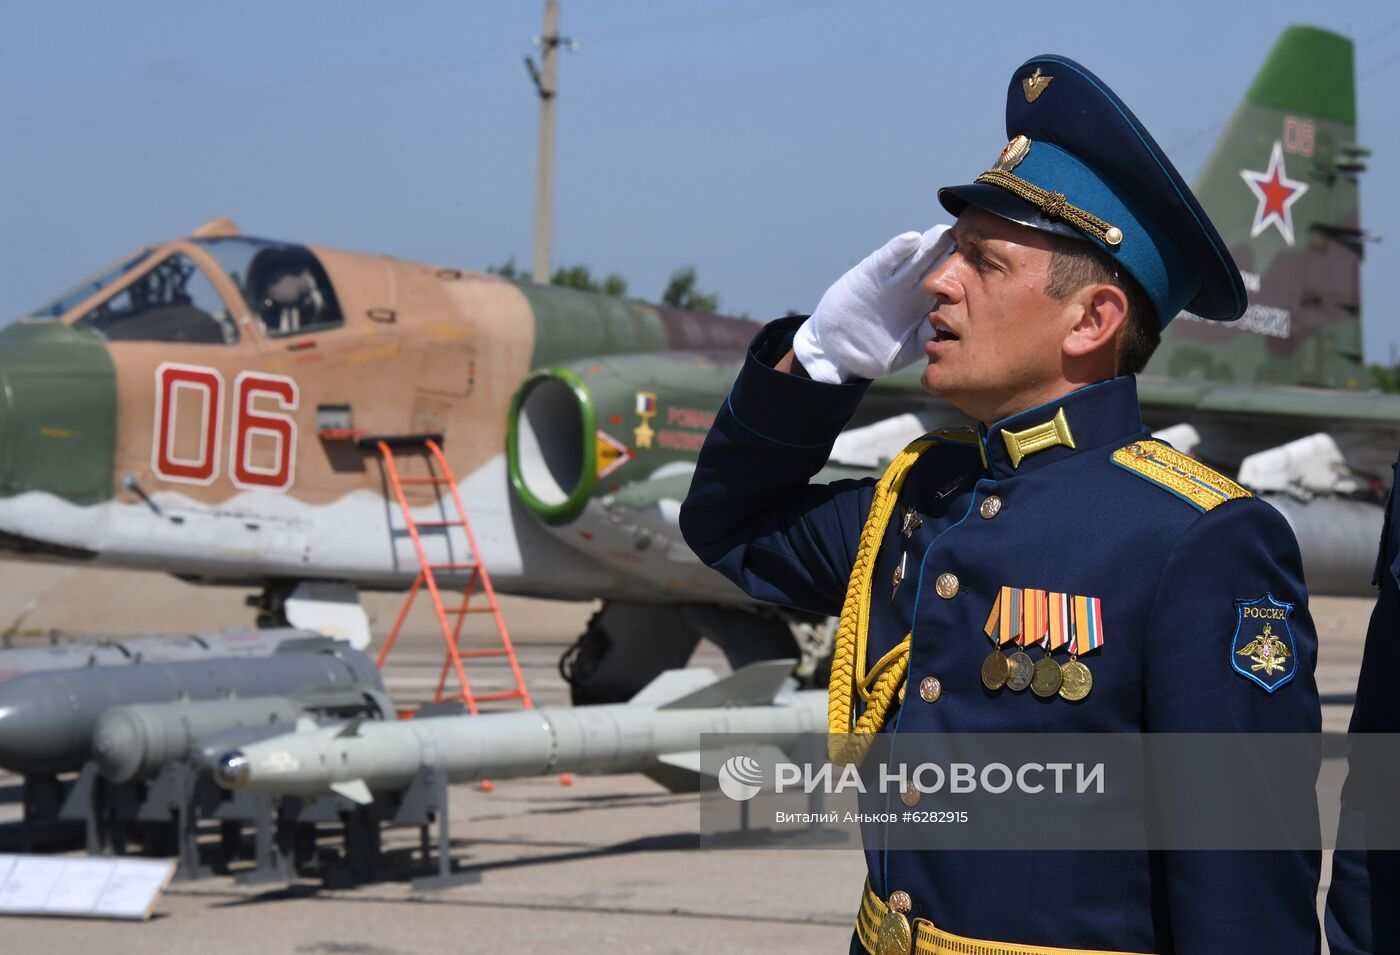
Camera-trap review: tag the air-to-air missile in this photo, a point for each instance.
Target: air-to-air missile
(47, 719)
(75, 654)
(132, 743)
(658, 732)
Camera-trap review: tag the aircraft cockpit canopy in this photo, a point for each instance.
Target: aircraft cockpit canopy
(284, 285)
(172, 302)
(57, 307)
(175, 294)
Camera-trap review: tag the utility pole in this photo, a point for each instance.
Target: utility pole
(546, 80)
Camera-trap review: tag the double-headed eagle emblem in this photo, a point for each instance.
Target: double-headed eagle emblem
(1267, 652)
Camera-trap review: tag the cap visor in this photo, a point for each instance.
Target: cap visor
(1004, 205)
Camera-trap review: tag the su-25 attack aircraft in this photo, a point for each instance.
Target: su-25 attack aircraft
(192, 409)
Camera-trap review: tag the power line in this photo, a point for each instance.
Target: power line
(163, 107)
(236, 97)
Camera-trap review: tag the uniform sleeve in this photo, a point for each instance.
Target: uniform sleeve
(751, 513)
(1221, 901)
(1361, 916)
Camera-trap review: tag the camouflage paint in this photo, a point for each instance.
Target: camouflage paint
(58, 412)
(570, 324)
(1303, 100)
(688, 388)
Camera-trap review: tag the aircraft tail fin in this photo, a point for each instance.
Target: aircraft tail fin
(1281, 188)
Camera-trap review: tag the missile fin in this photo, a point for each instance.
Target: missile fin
(351, 728)
(678, 772)
(674, 684)
(695, 770)
(355, 790)
(755, 685)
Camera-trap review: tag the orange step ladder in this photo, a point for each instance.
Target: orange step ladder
(450, 620)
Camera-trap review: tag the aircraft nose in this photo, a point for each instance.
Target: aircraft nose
(58, 415)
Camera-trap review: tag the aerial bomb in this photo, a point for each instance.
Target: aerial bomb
(133, 742)
(658, 732)
(47, 719)
(76, 654)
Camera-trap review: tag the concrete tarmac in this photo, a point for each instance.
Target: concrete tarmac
(606, 863)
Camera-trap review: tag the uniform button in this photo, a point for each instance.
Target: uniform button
(930, 689)
(947, 586)
(910, 797)
(991, 507)
(900, 902)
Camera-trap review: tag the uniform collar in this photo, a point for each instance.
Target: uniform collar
(1090, 417)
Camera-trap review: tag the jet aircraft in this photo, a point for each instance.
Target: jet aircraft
(206, 407)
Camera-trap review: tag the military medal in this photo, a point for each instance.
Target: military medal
(1076, 680)
(1086, 633)
(994, 671)
(1032, 626)
(1004, 625)
(1021, 670)
(1047, 678)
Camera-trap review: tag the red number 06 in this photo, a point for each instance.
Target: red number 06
(261, 408)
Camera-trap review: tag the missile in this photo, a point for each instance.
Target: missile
(133, 742)
(47, 719)
(75, 654)
(657, 732)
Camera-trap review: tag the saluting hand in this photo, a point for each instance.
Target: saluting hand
(873, 321)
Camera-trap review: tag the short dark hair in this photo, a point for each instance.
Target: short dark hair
(1075, 264)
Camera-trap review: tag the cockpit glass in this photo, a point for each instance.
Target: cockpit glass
(172, 302)
(88, 287)
(284, 286)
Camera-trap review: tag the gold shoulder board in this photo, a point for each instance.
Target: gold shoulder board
(1189, 479)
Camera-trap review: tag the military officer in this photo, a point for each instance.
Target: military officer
(1362, 918)
(1165, 596)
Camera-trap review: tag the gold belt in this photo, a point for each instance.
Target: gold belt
(884, 930)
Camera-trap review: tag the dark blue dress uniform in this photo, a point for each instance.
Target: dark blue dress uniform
(1176, 554)
(1065, 520)
(1362, 914)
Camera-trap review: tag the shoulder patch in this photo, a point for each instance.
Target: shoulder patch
(1202, 487)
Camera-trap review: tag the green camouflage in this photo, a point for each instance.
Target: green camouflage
(58, 412)
(1303, 324)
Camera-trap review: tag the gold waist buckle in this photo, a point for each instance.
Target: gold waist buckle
(884, 929)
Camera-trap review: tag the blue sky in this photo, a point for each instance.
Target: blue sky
(768, 143)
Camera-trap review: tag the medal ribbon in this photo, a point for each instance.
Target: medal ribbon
(1028, 616)
(1033, 616)
(1004, 623)
(1058, 611)
(1087, 626)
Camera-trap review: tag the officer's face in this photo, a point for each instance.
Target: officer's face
(997, 347)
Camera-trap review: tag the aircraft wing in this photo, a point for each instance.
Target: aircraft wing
(1326, 407)
(1233, 422)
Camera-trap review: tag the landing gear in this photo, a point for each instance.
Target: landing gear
(271, 604)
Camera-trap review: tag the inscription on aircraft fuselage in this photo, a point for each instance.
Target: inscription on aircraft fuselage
(188, 433)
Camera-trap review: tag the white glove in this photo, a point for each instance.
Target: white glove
(874, 320)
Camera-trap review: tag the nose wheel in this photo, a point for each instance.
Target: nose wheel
(271, 605)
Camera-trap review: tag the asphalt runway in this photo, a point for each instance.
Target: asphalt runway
(606, 863)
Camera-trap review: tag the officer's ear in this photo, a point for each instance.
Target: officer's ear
(1102, 316)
